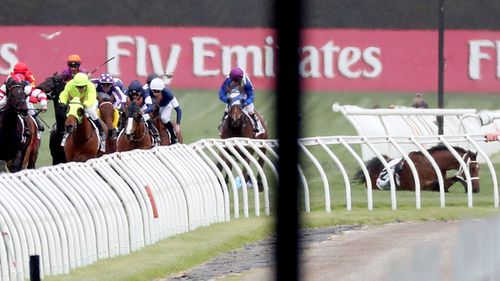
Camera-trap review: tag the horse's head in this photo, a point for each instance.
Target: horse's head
(74, 115)
(134, 118)
(104, 97)
(235, 109)
(470, 159)
(52, 86)
(16, 97)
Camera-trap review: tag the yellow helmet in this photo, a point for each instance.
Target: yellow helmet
(81, 79)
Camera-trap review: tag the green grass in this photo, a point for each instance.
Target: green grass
(174, 254)
(201, 114)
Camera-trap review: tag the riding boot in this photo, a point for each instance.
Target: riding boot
(98, 124)
(257, 126)
(39, 123)
(154, 131)
(170, 128)
(222, 120)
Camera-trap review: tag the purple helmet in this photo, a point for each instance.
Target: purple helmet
(236, 74)
(106, 79)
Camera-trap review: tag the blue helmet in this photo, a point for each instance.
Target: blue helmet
(135, 87)
(106, 78)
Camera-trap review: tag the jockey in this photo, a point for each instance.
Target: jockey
(74, 62)
(107, 89)
(119, 84)
(39, 97)
(33, 96)
(136, 93)
(238, 79)
(22, 68)
(168, 101)
(383, 179)
(81, 87)
(148, 81)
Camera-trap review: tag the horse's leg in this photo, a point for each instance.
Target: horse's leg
(448, 182)
(18, 161)
(56, 150)
(261, 164)
(228, 163)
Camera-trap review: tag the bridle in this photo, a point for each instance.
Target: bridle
(19, 111)
(73, 127)
(132, 133)
(50, 93)
(461, 173)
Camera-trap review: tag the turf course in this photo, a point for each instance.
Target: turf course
(201, 114)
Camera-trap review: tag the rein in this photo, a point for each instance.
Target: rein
(105, 102)
(91, 132)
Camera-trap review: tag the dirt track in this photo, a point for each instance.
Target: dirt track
(341, 253)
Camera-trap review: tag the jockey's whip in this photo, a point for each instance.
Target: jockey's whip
(97, 68)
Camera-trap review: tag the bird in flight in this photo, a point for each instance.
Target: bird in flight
(50, 36)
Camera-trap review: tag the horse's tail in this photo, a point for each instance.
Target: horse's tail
(373, 165)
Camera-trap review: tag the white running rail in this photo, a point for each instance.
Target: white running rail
(403, 121)
(77, 213)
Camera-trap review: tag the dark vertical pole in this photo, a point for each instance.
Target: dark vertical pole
(288, 25)
(440, 119)
(35, 268)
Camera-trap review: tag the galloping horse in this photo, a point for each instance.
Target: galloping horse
(136, 134)
(18, 133)
(164, 134)
(108, 115)
(238, 124)
(428, 178)
(82, 141)
(53, 86)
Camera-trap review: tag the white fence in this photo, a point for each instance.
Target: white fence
(419, 122)
(76, 213)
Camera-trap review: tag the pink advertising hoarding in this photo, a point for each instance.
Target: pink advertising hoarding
(331, 59)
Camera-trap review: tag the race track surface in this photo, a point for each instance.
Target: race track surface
(383, 252)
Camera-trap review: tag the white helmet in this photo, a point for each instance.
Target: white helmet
(157, 84)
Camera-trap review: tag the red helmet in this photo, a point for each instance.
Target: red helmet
(19, 77)
(20, 67)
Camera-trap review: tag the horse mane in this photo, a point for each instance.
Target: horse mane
(373, 164)
(442, 147)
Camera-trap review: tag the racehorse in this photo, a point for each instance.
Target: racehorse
(108, 114)
(82, 140)
(19, 142)
(135, 135)
(164, 134)
(239, 124)
(53, 86)
(428, 178)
